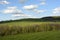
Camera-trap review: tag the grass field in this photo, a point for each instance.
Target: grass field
(13, 28)
(27, 23)
(52, 35)
(26, 30)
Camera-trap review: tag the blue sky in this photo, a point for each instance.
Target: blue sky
(17, 9)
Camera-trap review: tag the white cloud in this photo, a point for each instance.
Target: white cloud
(12, 10)
(33, 8)
(21, 15)
(39, 11)
(4, 2)
(16, 12)
(43, 3)
(56, 10)
(30, 7)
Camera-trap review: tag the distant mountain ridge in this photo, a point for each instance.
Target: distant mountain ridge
(44, 19)
(54, 18)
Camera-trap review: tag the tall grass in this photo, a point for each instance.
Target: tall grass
(50, 35)
(16, 29)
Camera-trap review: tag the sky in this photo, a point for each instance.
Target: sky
(19, 9)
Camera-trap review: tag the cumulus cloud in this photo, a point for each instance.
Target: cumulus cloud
(21, 15)
(30, 7)
(12, 10)
(4, 2)
(33, 8)
(43, 3)
(16, 12)
(39, 11)
(56, 10)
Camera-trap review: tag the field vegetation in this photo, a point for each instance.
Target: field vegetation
(13, 28)
(47, 28)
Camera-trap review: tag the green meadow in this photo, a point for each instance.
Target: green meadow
(50, 35)
(13, 28)
(30, 29)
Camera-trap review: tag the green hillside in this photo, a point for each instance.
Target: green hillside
(44, 19)
(46, 28)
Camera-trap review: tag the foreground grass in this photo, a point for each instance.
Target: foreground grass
(13, 28)
(52, 35)
(30, 31)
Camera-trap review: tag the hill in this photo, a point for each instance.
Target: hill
(30, 25)
(53, 19)
(44, 19)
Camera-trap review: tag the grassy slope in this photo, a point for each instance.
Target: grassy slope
(44, 19)
(34, 36)
(13, 27)
(31, 36)
(27, 23)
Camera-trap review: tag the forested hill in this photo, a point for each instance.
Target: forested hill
(44, 19)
